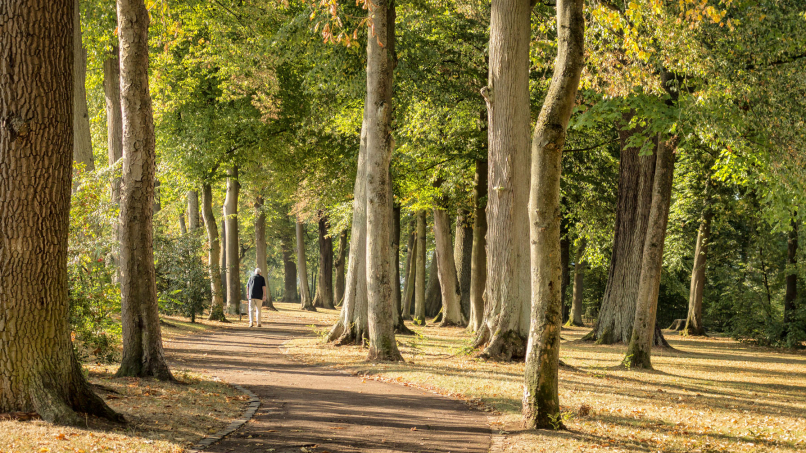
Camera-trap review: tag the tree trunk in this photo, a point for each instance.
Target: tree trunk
(446, 268)
(114, 120)
(306, 303)
(82, 139)
(223, 262)
(142, 340)
(565, 264)
(183, 227)
(193, 210)
(38, 370)
(541, 402)
(507, 96)
(462, 252)
(693, 324)
(157, 204)
(399, 324)
(233, 256)
(790, 308)
(340, 264)
(433, 292)
(260, 248)
(579, 286)
(419, 271)
(639, 350)
(324, 288)
(213, 254)
(408, 290)
(478, 266)
(617, 311)
(289, 267)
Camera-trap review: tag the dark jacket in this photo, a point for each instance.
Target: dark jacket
(255, 286)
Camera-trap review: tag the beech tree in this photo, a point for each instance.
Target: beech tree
(82, 140)
(213, 256)
(306, 301)
(324, 285)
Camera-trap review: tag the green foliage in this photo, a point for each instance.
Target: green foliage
(183, 285)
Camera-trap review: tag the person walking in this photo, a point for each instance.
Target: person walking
(256, 288)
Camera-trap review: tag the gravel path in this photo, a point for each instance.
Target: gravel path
(308, 408)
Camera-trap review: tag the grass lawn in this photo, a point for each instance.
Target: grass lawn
(708, 395)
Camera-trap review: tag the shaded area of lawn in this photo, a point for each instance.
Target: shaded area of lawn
(710, 394)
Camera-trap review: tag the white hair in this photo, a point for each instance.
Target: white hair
(257, 271)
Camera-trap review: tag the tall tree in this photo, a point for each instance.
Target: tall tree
(694, 326)
(446, 268)
(419, 271)
(213, 258)
(408, 289)
(193, 210)
(38, 370)
(791, 295)
(82, 139)
(507, 94)
(541, 403)
(142, 339)
(289, 267)
(338, 290)
(478, 260)
(462, 254)
(306, 302)
(575, 319)
(231, 236)
(324, 285)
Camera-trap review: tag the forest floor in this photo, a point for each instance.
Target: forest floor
(706, 395)
(161, 417)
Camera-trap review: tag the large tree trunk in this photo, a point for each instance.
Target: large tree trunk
(38, 370)
(408, 289)
(223, 261)
(541, 402)
(193, 210)
(462, 253)
(233, 267)
(213, 254)
(446, 268)
(639, 350)
(579, 286)
(260, 248)
(478, 265)
(378, 115)
(617, 311)
(324, 287)
(433, 291)
(338, 292)
(306, 303)
(114, 120)
(565, 264)
(791, 295)
(693, 326)
(399, 324)
(419, 274)
(142, 340)
(507, 94)
(289, 267)
(82, 139)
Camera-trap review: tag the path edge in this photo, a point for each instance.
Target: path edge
(254, 404)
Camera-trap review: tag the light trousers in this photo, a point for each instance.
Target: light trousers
(256, 303)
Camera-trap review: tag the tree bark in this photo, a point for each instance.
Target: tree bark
(260, 248)
(38, 370)
(791, 295)
(223, 261)
(193, 210)
(157, 204)
(617, 312)
(419, 274)
(478, 266)
(114, 120)
(639, 350)
(306, 303)
(565, 264)
(446, 268)
(233, 256)
(579, 286)
(324, 287)
(82, 139)
(408, 289)
(433, 292)
(340, 264)
(183, 227)
(541, 402)
(507, 94)
(693, 324)
(142, 340)
(213, 254)
(289, 267)
(462, 253)
(399, 324)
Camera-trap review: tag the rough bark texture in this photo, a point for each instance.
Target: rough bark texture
(233, 265)
(289, 266)
(579, 286)
(617, 312)
(433, 291)
(565, 267)
(223, 261)
(419, 271)
(791, 295)
(508, 293)
(142, 339)
(446, 268)
(400, 325)
(408, 289)
(324, 285)
(338, 290)
(639, 350)
(378, 114)
(693, 323)
(462, 254)
(193, 210)
(213, 254)
(114, 120)
(478, 265)
(82, 139)
(38, 371)
(306, 303)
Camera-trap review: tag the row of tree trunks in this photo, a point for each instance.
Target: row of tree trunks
(400, 325)
(38, 370)
(233, 257)
(223, 255)
(478, 266)
(82, 138)
(213, 255)
(289, 267)
(419, 271)
(462, 254)
(575, 319)
(324, 287)
(338, 291)
(260, 249)
(446, 267)
(306, 302)
(433, 291)
(409, 268)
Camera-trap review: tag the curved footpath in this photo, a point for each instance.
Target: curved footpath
(310, 408)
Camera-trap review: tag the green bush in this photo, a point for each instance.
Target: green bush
(183, 285)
